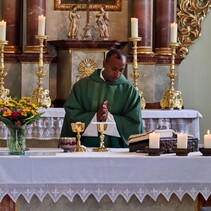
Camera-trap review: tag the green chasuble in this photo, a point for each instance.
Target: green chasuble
(87, 96)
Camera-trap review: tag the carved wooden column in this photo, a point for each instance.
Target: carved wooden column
(11, 13)
(165, 14)
(34, 9)
(143, 10)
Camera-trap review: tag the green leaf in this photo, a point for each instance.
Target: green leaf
(6, 121)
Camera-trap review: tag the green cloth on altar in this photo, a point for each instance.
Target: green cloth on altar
(87, 96)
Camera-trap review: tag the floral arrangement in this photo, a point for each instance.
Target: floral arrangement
(15, 112)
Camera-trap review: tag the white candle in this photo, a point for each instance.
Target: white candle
(207, 140)
(182, 141)
(134, 27)
(3, 30)
(173, 38)
(41, 25)
(154, 140)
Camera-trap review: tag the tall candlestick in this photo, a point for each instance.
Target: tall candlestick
(173, 38)
(134, 27)
(207, 140)
(182, 141)
(3, 30)
(39, 95)
(154, 140)
(41, 25)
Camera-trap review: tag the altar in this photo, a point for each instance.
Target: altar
(46, 176)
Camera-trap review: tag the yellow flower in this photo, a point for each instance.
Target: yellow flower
(24, 113)
(7, 113)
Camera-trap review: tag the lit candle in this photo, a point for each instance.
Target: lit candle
(154, 140)
(207, 140)
(3, 30)
(41, 25)
(173, 38)
(134, 27)
(182, 141)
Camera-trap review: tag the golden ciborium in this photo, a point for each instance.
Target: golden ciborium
(101, 127)
(78, 127)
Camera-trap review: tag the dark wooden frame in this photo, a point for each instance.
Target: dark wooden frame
(109, 5)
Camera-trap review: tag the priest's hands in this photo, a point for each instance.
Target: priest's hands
(102, 113)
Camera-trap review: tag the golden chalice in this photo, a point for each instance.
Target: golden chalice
(78, 127)
(101, 127)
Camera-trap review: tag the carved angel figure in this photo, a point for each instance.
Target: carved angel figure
(102, 22)
(73, 28)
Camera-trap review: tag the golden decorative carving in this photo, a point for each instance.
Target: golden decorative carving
(190, 15)
(109, 5)
(86, 67)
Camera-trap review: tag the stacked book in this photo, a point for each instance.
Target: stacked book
(168, 141)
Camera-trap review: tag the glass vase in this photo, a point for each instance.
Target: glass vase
(16, 141)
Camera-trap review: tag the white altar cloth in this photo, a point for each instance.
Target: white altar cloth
(112, 173)
(50, 124)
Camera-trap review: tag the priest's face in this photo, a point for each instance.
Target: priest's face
(113, 68)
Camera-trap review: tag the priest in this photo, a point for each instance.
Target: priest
(105, 96)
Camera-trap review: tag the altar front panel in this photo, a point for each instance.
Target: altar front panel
(113, 174)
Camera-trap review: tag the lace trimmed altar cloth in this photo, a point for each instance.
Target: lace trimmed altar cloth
(114, 173)
(50, 124)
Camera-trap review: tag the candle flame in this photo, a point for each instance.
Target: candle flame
(208, 131)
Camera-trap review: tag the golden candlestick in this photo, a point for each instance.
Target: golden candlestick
(3, 92)
(78, 127)
(39, 95)
(171, 97)
(135, 75)
(101, 127)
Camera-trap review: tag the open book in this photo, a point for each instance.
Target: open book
(166, 133)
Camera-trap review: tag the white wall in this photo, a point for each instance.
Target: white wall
(194, 77)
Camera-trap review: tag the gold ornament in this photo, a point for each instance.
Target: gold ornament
(189, 19)
(172, 98)
(135, 75)
(39, 95)
(86, 68)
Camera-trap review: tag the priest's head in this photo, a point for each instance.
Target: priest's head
(114, 65)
